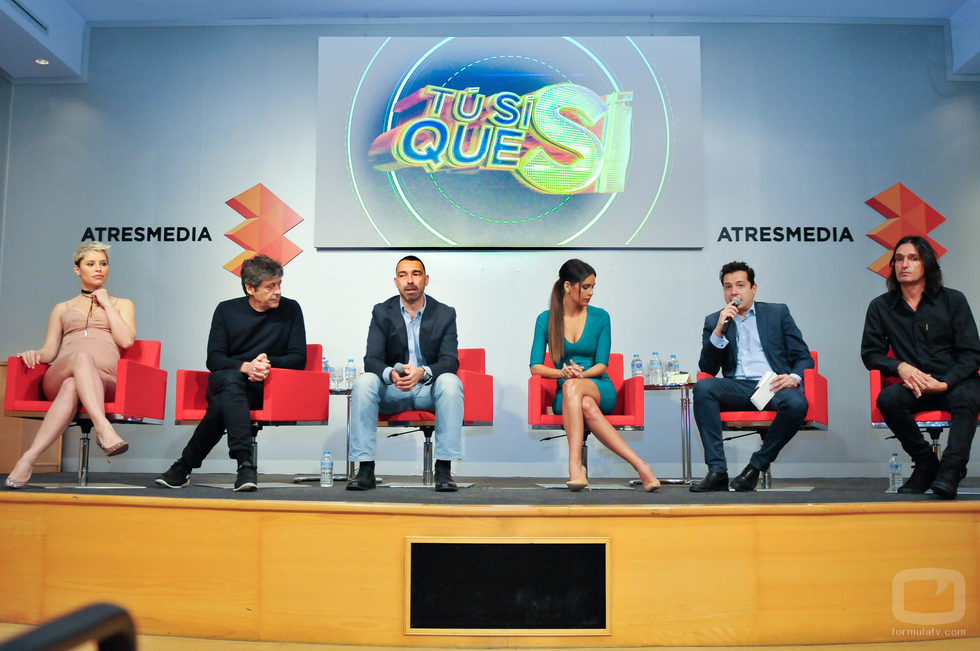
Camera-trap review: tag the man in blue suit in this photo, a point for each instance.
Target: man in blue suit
(746, 340)
(410, 363)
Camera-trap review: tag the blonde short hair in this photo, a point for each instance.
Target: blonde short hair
(88, 247)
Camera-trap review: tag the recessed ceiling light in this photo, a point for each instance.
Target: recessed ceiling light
(41, 62)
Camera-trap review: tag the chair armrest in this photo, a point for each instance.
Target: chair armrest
(141, 391)
(291, 394)
(874, 380)
(537, 398)
(191, 399)
(477, 396)
(24, 386)
(633, 398)
(815, 389)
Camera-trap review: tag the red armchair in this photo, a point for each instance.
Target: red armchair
(627, 415)
(758, 422)
(290, 397)
(141, 394)
(934, 422)
(477, 406)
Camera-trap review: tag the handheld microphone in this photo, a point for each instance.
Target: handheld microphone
(736, 302)
(399, 368)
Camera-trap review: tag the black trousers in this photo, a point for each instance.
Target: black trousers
(898, 405)
(230, 396)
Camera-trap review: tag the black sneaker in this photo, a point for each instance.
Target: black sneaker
(924, 470)
(178, 476)
(248, 478)
(946, 482)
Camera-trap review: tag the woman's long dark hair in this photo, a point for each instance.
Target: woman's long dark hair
(573, 271)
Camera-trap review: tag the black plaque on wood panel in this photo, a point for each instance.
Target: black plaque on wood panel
(512, 585)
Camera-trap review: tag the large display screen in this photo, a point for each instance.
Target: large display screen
(509, 142)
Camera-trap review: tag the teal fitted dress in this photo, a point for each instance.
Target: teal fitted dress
(592, 348)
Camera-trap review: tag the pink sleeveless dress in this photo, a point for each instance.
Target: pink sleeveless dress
(94, 339)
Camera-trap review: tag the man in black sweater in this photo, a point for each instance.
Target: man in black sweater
(249, 336)
(935, 352)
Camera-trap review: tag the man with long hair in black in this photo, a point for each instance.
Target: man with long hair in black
(935, 351)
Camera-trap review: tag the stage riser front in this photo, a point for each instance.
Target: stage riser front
(335, 572)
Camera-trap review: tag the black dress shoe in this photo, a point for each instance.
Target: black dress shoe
(364, 480)
(946, 482)
(444, 477)
(713, 481)
(924, 471)
(747, 480)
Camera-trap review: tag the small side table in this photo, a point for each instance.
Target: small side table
(685, 389)
(348, 464)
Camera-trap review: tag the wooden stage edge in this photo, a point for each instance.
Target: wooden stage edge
(334, 572)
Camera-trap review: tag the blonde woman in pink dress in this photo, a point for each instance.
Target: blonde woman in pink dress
(85, 335)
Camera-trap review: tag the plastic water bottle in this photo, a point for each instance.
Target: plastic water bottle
(326, 470)
(655, 370)
(673, 366)
(324, 364)
(350, 372)
(334, 380)
(895, 479)
(636, 367)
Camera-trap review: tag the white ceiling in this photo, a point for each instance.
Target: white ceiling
(61, 37)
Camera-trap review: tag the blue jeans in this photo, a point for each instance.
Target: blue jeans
(371, 396)
(715, 395)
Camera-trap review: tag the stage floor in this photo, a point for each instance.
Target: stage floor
(496, 490)
(840, 562)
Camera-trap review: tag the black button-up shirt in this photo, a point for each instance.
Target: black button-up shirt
(939, 337)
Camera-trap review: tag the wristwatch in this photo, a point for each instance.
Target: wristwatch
(427, 378)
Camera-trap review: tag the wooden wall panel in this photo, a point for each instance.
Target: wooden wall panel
(334, 572)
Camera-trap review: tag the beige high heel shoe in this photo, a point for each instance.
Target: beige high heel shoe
(13, 483)
(576, 485)
(651, 485)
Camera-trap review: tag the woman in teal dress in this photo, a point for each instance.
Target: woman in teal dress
(577, 337)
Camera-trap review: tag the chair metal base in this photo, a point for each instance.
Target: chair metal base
(787, 489)
(337, 479)
(428, 475)
(104, 486)
(87, 486)
(423, 485)
(261, 484)
(595, 487)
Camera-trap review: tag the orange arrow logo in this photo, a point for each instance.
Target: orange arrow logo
(267, 218)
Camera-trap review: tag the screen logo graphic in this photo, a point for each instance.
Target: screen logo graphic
(906, 214)
(929, 596)
(267, 218)
(560, 139)
(501, 142)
